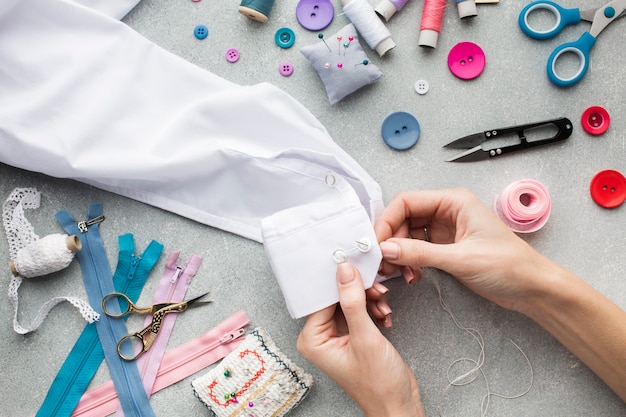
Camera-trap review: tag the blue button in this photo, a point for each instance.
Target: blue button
(201, 31)
(285, 37)
(609, 12)
(401, 130)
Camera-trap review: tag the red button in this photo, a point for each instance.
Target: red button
(608, 188)
(595, 120)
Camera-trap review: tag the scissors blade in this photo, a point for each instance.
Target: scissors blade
(477, 153)
(468, 141)
(563, 126)
(195, 302)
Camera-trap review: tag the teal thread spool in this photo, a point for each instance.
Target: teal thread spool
(258, 10)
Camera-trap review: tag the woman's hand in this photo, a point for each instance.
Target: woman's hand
(454, 231)
(344, 342)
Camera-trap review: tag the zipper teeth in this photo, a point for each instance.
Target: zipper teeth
(61, 399)
(170, 294)
(163, 372)
(189, 358)
(109, 329)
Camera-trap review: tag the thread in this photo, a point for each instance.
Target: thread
(49, 254)
(258, 10)
(524, 206)
(466, 8)
(387, 8)
(369, 26)
(432, 22)
(477, 369)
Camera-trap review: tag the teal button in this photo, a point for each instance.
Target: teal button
(285, 37)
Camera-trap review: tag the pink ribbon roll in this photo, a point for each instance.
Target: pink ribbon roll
(524, 206)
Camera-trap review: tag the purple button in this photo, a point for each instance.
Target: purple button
(466, 60)
(285, 69)
(315, 14)
(232, 55)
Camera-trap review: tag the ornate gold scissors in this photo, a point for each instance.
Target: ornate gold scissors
(133, 345)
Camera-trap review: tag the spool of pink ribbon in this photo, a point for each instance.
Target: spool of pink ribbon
(524, 206)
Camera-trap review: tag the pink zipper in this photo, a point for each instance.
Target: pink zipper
(177, 364)
(172, 287)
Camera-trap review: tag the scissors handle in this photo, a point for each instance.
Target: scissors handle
(563, 17)
(581, 48)
(133, 345)
(126, 306)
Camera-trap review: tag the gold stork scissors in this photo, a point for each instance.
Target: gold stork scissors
(141, 341)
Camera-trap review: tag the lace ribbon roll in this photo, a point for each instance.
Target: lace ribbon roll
(44, 256)
(31, 256)
(524, 206)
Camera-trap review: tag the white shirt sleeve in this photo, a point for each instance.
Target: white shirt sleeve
(86, 97)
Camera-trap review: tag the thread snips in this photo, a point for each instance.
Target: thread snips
(477, 148)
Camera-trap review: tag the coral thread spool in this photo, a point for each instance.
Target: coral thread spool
(432, 21)
(45, 256)
(258, 10)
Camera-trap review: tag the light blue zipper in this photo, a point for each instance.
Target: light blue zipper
(85, 358)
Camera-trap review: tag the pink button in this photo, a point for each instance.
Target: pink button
(466, 60)
(285, 69)
(232, 55)
(596, 120)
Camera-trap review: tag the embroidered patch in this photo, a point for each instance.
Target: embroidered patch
(256, 379)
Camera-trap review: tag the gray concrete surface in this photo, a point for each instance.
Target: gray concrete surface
(589, 240)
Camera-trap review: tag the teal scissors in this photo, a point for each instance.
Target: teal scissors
(600, 18)
(133, 345)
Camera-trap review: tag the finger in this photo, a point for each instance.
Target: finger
(379, 309)
(352, 300)
(314, 331)
(417, 205)
(377, 291)
(414, 253)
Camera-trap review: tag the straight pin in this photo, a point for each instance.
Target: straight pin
(321, 36)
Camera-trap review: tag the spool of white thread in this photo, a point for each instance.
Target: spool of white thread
(44, 256)
(367, 23)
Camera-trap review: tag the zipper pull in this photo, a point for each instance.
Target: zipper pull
(229, 337)
(84, 225)
(176, 275)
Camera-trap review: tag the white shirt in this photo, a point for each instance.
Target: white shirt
(86, 97)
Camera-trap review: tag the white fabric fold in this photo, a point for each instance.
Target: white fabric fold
(85, 97)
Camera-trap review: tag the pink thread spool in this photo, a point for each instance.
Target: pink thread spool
(524, 206)
(432, 22)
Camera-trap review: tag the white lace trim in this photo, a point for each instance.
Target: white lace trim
(35, 257)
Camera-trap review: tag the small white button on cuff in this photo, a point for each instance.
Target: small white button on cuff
(330, 179)
(364, 245)
(422, 87)
(340, 256)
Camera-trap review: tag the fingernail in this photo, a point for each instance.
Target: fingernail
(345, 273)
(380, 288)
(390, 250)
(408, 274)
(384, 308)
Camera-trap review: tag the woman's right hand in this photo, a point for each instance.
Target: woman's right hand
(454, 231)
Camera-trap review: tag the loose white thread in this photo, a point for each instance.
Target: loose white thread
(31, 256)
(477, 370)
